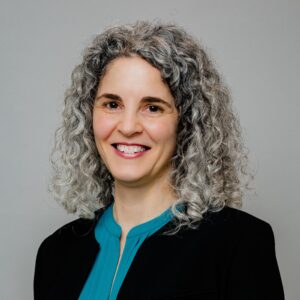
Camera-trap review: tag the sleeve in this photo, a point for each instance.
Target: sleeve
(38, 273)
(254, 272)
(45, 269)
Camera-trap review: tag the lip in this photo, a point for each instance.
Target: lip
(130, 156)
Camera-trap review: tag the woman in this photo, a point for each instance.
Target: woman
(151, 158)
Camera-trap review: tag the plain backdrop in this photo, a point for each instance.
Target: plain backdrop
(255, 46)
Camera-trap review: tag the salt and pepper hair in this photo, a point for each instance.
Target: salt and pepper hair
(210, 162)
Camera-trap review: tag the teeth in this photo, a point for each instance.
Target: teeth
(130, 149)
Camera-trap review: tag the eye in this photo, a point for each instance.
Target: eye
(155, 108)
(111, 105)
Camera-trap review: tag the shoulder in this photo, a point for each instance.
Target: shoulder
(79, 230)
(67, 253)
(229, 227)
(235, 236)
(235, 218)
(238, 226)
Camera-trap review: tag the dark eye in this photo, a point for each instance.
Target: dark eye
(155, 108)
(111, 105)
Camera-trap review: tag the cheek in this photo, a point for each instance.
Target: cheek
(102, 126)
(162, 130)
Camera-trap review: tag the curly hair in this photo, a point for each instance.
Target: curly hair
(210, 160)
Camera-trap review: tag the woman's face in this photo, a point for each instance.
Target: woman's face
(134, 121)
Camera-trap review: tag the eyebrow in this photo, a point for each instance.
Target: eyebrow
(149, 99)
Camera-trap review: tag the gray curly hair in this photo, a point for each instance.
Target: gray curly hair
(210, 161)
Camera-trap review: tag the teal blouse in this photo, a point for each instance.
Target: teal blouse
(101, 284)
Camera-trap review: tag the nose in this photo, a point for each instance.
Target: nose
(130, 124)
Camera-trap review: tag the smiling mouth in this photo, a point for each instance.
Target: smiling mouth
(130, 149)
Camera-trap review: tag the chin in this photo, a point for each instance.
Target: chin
(128, 177)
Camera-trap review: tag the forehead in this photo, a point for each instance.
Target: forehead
(132, 66)
(133, 76)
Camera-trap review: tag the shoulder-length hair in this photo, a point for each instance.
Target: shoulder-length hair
(210, 161)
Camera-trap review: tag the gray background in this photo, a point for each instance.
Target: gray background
(255, 45)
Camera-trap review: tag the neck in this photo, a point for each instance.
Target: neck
(137, 205)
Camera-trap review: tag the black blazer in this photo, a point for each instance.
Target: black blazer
(230, 256)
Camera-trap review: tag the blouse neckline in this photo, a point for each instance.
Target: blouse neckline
(109, 222)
